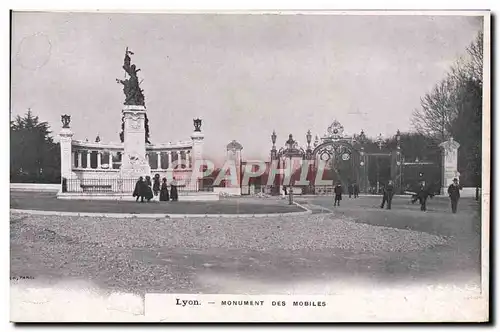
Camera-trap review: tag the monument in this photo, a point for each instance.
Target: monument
(449, 163)
(134, 162)
(99, 170)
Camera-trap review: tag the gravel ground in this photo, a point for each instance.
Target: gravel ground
(314, 232)
(254, 255)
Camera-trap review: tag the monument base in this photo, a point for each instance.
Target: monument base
(183, 197)
(135, 171)
(236, 191)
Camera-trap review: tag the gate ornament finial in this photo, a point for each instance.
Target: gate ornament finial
(335, 130)
(316, 141)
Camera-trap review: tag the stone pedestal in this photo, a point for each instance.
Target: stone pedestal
(134, 162)
(449, 163)
(197, 152)
(65, 138)
(233, 156)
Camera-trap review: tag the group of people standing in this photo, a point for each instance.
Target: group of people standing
(146, 190)
(421, 195)
(352, 189)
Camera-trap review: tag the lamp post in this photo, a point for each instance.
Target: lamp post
(290, 144)
(273, 158)
(309, 188)
(399, 167)
(379, 143)
(362, 141)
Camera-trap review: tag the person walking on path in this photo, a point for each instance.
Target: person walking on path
(350, 190)
(454, 193)
(422, 194)
(338, 194)
(148, 191)
(355, 189)
(139, 190)
(173, 191)
(156, 185)
(164, 191)
(388, 193)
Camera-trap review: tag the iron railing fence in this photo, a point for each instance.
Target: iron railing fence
(275, 190)
(100, 185)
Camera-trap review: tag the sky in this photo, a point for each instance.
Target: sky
(244, 75)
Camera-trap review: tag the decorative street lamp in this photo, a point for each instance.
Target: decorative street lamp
(399, 169)
(362, 141)
(290, 145)
(362, 137)
(273, 139)
(274, 189)
(379, 143)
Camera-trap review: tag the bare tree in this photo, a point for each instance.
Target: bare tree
(441, 106)
(454, 108)
(434, 117)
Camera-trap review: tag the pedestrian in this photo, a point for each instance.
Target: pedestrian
(164, 191)
(156, 185)
(422, 194)
(148, 190)
(388, 193)
(355, 189)
(173, 191)
(454, 193)
(338, 194)
(350, 189)
(139, 190)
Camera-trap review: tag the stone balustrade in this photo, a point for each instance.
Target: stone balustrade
(99, 157)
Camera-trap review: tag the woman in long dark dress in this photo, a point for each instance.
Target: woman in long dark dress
(149, 192)
(156, 185)
(173, 191)
(164, 191)
(139, 190)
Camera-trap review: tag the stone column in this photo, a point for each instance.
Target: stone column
(158, 160)
(98, 159)
(176, 156)
(88, 158)
(184, 158)
(65, 139)
(188, 157)
(79, 159)
(134, 162)
(110, 160)
(169, 155)
(233, 157)
(449, 163)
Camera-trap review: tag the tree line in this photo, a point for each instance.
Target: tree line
(453, 108)
(34, 156)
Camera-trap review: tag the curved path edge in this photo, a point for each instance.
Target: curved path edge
(160, 215)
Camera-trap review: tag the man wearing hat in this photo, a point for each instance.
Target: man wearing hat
(454, 193)
(338, 194)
